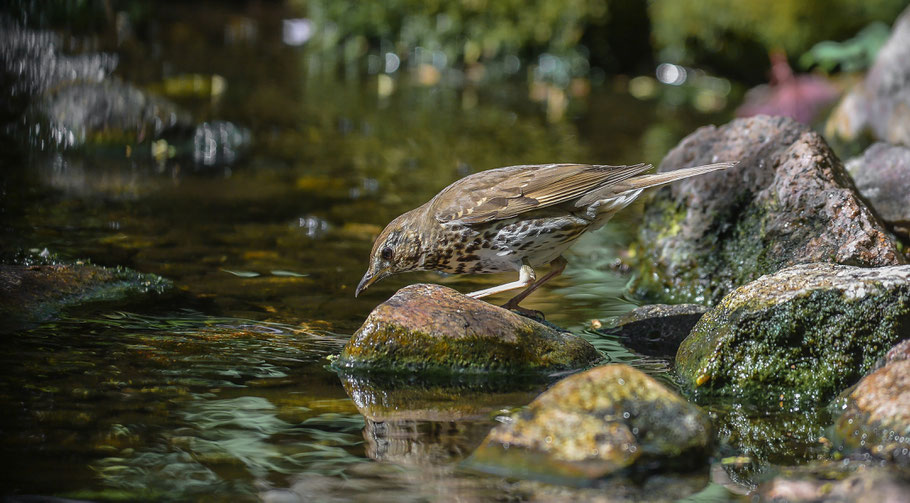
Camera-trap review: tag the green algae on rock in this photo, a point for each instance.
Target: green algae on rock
(39, 292)
(788, 201)
(602, 421)
(876, 413)
(800, 335)
(436, 330)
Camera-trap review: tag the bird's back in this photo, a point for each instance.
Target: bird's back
(508, 192)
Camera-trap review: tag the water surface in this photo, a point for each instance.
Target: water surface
(222, 391)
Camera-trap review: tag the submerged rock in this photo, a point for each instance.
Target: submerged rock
(658, 329)
(595, 423)
(881, 103)
(876, 413)
(788, 201)
(800, 335)
(39, 292)
(882, 176)
(436, 330)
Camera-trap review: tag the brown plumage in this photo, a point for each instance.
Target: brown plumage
(511, 219)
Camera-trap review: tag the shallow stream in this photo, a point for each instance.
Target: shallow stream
(221, 391)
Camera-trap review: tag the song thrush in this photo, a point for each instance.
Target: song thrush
(511, 219)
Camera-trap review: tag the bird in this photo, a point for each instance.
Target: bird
(511, 219)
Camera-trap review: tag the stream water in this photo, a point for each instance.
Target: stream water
(221, 390)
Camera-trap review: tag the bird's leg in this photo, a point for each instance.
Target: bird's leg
(558, 264)
(526, 277)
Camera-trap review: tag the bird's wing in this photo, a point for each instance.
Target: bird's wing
(507, 192)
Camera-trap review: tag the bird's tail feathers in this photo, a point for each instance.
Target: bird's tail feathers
(657, 179)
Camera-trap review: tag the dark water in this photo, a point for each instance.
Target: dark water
(222, 392)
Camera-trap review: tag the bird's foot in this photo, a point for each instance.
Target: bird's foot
(527, 313)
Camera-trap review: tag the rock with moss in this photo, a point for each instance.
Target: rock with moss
(882, 176)
(880, 104)
(876, 412)
(788, 201)
(606, 420)
(657, 329)
(40, 292)
(800, 335)
(432, 329)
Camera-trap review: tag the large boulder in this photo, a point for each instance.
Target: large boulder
(802, 334)
(788, 201)
(596, 423)
(882, 176)
(433, 329)
(876, 412)
(880, 104)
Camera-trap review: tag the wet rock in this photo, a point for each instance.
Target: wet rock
(39, 292)
(788, 201)
(800, 335)
(876, 412)
(837, 482)
(881, 103)
(882, 176)
(435, 330)
(605, 420)
(658, 329)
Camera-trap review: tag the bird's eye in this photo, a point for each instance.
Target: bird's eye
(386, 253)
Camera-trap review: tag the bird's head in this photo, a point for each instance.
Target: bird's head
(397, 249)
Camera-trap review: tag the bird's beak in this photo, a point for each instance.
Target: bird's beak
(369, 278)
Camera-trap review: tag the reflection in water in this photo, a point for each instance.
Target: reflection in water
(416, 423)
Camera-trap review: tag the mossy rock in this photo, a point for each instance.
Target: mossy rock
(606, 420)
(788, 201)
(40, 292)
(434, 330)
(801, 335)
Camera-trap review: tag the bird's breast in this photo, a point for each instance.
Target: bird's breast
(503, 245)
